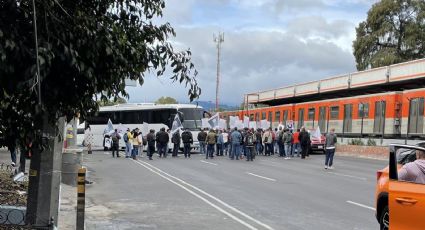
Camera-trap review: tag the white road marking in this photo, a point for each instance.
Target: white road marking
(361, 205)
(206, 162)
(263, 177)
(214, 198)
(195, 194)
(345, 175)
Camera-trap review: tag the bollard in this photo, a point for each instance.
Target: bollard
(81, 198)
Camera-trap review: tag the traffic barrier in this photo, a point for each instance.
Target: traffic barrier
(81, 198)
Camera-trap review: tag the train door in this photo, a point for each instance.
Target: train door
(348, 118)
(271, 119)
(416, 115)
(379, 123)
(300, 118)
(285, 117)
(322, 119)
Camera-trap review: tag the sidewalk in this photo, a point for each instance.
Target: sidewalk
(67, 207)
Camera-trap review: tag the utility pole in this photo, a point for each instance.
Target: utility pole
(218, 40)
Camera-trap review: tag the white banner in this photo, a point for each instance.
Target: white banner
(145, 129)
(265, 124)
(246, 122)
(223, 124)
(177, 124)
(205, 124)
(253, 125)
(232, 121)
(239, 124)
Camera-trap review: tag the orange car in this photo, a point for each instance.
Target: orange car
(405, 199)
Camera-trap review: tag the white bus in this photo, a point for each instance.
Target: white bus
(133, 116)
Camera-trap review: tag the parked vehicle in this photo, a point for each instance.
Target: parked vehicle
(399, 156)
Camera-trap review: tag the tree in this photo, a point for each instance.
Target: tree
(393, 32)
(166, 100)
(114, 101)
(84, 49)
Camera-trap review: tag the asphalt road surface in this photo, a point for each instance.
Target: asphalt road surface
(269, 193)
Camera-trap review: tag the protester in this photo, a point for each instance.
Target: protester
(88, 139)
(279, 141)
(187, 139)
(150, 138)
(268, 141)
(249, 144)
(304, 138)
(259, 142)
(162, 139)
(296, 143)
(128, 144)
(226, 142)
(331, 140)
(175, 139)
(211, 141)
(115, 143)
(142, 143)
(275, 139)
(236, 138)
(202, 136)
(287, 141)
(220, 143)
(135, 143)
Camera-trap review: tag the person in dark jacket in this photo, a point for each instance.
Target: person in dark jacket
(187, 139)
(162, 138)
(304, 139)
(115, 143)
(202, 137)
(150, 138)
(176, 142)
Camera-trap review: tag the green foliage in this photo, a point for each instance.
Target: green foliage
(356, 141)
(86, 49)
(166, 100)
(393, 32)
(371, 142)
(114, 101)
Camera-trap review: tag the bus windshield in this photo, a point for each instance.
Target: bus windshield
(192, 118)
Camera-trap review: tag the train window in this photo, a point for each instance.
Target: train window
(270, 117)
(364, 110)
(334, 112)
(263, 115)
(277, 116)
(257, 116)
(311, 114)
(416, 115)
(251, 117)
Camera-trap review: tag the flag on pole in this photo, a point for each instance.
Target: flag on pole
(223, 124)
(177, 124)
(214, 121)
(109, 127)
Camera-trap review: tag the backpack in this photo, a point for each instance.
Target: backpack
(114, 138)
(125, 137)
(249, 139)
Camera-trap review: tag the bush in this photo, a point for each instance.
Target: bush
(371, 142)
(356, 141)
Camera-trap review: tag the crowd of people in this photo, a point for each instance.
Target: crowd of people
(235, 143)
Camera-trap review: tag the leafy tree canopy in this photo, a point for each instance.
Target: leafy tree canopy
(166, 100)
(86, 48)
(393, 32)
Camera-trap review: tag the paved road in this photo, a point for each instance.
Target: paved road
(269, 193)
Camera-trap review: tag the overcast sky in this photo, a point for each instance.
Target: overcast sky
(268, 44)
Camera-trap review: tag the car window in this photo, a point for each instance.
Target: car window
(412, 165)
